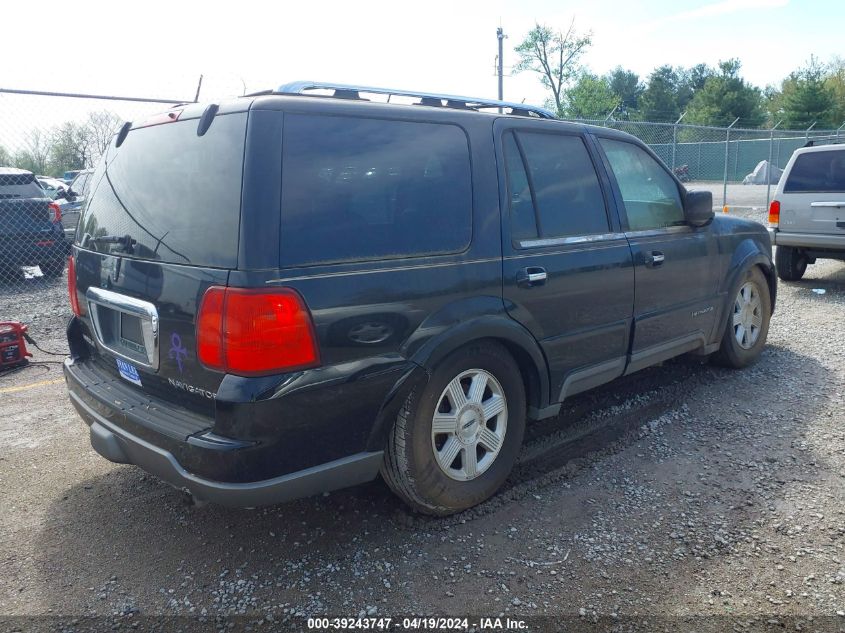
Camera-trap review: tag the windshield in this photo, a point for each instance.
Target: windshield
(175, 194)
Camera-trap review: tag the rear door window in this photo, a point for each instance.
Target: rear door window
(559, 194)
(817, 172)
(360, 189)
(651, 196)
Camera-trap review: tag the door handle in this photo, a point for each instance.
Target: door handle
(655, 258)
(531, 276)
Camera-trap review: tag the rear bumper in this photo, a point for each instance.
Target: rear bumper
(807, 240)
(181, 448)
(120, 446)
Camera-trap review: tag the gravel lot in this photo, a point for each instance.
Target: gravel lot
(682, 492)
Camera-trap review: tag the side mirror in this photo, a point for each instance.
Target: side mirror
(70, 194)
(60, 193)
(698, 207)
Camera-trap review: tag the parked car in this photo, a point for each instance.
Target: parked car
(74, 200)
(807, 214)
(31, 232)
(284, 294)
(69, 175)
(53, 187)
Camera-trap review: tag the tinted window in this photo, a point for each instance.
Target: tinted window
(177, 194)
(522, 217)
(363, 189)
(566, 188)
(651, 196)
(19, 186)
(78, 184)
(817, 171)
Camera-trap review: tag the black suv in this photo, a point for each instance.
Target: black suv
(294, 291)
(31, 232)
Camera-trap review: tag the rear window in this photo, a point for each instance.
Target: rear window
(19, 186)
(817, 172)
(359, 189)
(176, 194)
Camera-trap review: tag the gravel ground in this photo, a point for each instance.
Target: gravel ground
(684, 493)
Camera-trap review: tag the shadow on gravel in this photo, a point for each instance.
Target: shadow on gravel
(127, 534)
(832, 281)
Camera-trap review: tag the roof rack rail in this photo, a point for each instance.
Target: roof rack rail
(824, 140)
(347, 91)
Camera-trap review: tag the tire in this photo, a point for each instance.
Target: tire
(411, 467)
(52, 268)
(791, 263)
(733, 352)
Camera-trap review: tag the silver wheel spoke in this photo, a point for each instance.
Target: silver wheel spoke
(489, 440)
(493, 407)
(449, 452)
(476, 389)
(737, 320)
(469, 461)
(444, 423)
(456, 394)
(757, 320)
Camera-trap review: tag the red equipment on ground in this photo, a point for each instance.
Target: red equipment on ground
(12, 345)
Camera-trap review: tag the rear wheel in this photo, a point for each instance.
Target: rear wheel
(52, 267)
(791, 263)
(748, 321)
(455, 442)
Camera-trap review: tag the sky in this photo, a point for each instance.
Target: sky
(159, 49)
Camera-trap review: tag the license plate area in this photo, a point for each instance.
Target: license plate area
(125, 326)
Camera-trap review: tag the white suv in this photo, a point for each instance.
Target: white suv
(807, 215)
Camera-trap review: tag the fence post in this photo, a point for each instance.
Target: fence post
(725, 178)
(838, 130)
(675, 137)
(607, 118)
(769, 164)
(807, 131)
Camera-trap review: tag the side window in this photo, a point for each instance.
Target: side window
(652, 199)
(522, 215)
(817, 172)
(358, 189)
(559, 194)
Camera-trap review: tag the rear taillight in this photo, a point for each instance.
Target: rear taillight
(250, 332)
(57, 212)
(71, 286)
(774, 212)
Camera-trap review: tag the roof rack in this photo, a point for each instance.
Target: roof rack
(346, 91)
(824, 140)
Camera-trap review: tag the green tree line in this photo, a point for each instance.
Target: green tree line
(716, 96)
(71, 145)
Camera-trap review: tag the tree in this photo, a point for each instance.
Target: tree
(590, 97)
(805, 97)
(724, 97)
(835, 82)
(100, 129)
(690, 81)
(554, 55)
(5, 157)
(70, 148)
(35, 156)
(626, 85)
(659, 100)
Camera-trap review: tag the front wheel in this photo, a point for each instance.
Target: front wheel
(455, 442)
(748, 321)
(52, 268)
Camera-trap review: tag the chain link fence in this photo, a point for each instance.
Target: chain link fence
(724, 160)
(49, 143)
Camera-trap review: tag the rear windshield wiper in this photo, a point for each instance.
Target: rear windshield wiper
(125, 241)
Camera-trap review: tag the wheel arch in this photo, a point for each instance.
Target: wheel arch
(747, 255)
(436, 338)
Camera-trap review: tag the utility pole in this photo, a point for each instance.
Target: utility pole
(199, 85)
(500, 35)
